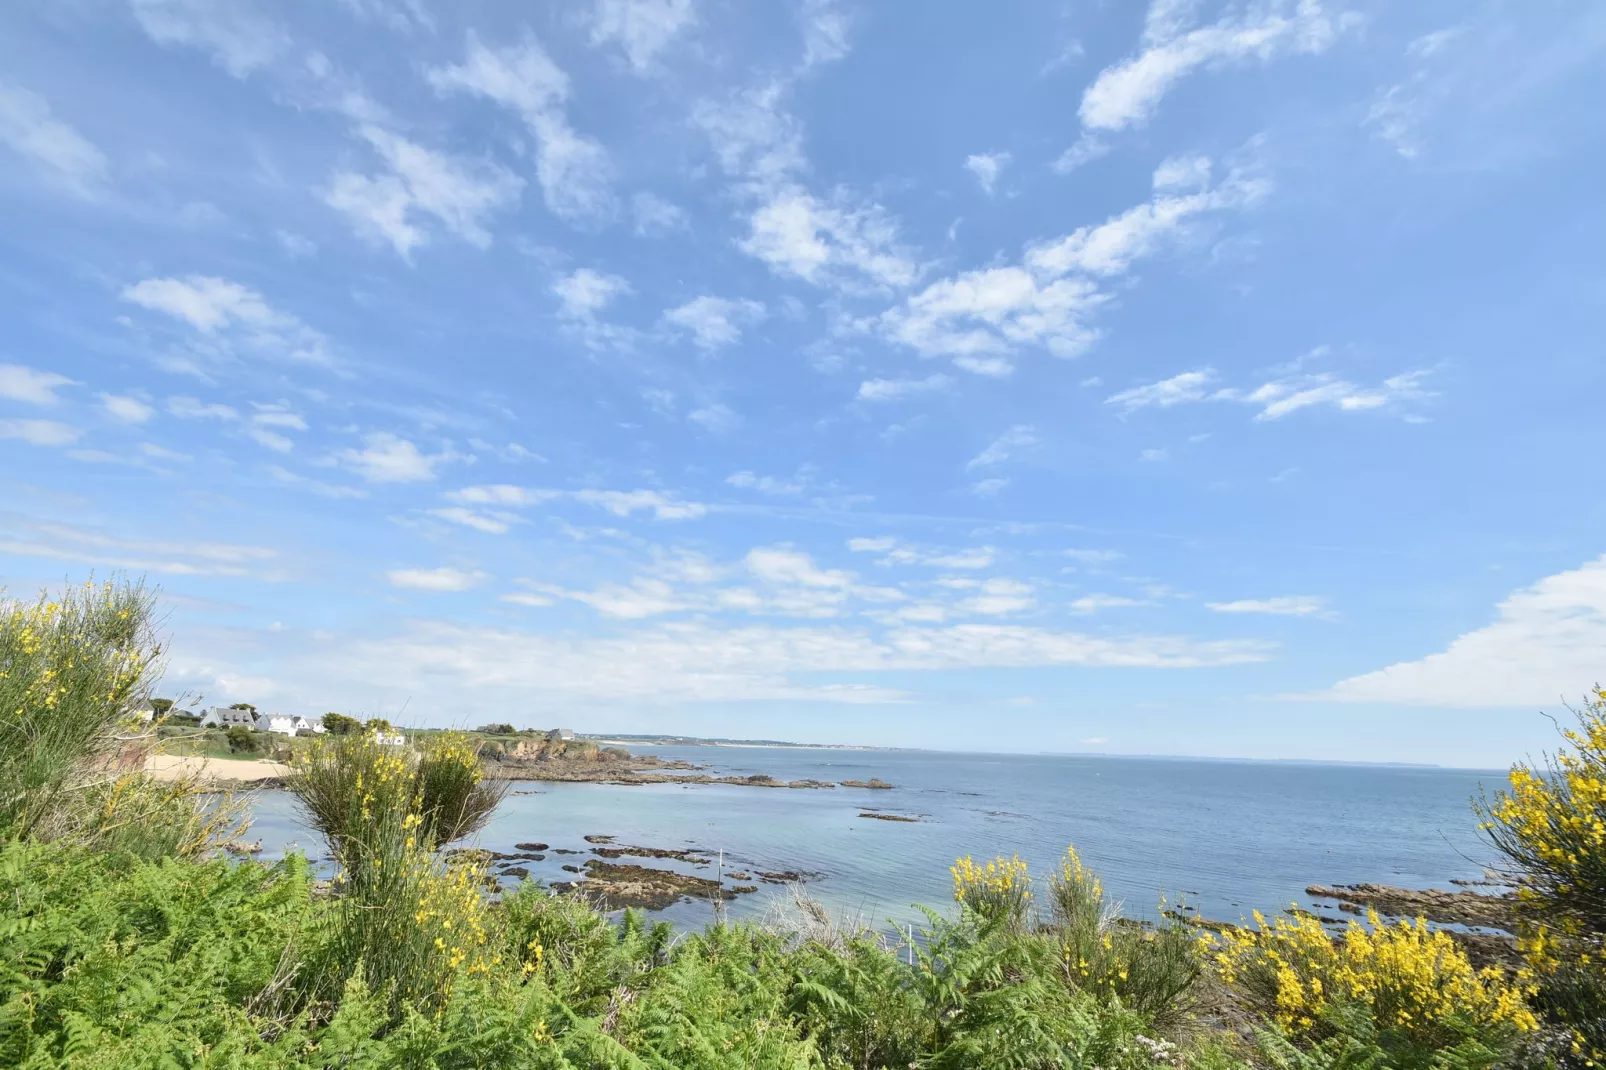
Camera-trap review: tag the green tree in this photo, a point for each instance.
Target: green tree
(244, 706)
(161, 706)
(241, 740)
(378, 724)
(338, 724)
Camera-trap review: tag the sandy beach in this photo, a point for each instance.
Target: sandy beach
(176, 767)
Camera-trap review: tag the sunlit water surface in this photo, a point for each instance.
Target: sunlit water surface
(1228, 837)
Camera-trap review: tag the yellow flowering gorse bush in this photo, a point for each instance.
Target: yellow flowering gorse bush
(74, 670)
(1550, 823)
(1000, 889)
(1412, 978)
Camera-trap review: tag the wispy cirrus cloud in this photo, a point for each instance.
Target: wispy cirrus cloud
(1174, 46)
(1304, 605)
(621, 503)
(31, 129)
(573, 170)
(640, 28)
(981, 318)
(1279, 397)
(232, 320)
(436, 580)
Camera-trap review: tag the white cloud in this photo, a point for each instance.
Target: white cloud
(716, 418)
(764, 484)
(1111, 247)
(1178, 390)
(825, 32)
(525, 598)
(1005, 446)
(39, 432)
(29, 128)
(979, 318)
(583, 294)
(987, 166)
(267, 417)
(841, 244)
(992, 311)
(496, 523)
(269, 439)
(459, 193)
(844, 243)
(388, 458)
(1093, 603)
(129, 410)
(404, 16)
(1303, 605)
(85, 546)
(1281, 397)
(1155, 455)
(21, 383)
(1543, 647)
(187, 408)
(999, 597)
(986, 488)
(641, 28)
(586, 292)
(618, 502)
(440, 580)
(892, 389)
(237, 37)
(334, 491)
(295, 246)
(1276, 398)
(231, 316)
(205, 302)
(1128, 92)
(655, 216)
(900, 554)
(1092, 557)
(1088, 147)
(574, 171)
(715, 321)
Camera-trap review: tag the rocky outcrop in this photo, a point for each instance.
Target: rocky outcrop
(614, 885)
(1455, 908)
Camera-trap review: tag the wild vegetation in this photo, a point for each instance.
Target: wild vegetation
(126, 941)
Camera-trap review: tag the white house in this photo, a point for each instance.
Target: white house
(219, 717)
(290, 724)
(390, 739)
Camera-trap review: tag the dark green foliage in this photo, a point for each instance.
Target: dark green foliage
(338, 724)
(241, 740)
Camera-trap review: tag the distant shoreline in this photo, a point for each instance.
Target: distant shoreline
(662, 741)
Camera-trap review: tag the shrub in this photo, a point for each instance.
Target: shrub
(1413, 985)
(74, 671)
(1151, 970)
(337, 724)
(356, 791)
(999, 891)
(241, 740)
(1551, 826)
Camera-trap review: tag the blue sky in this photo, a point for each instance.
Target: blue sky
(1201, 378)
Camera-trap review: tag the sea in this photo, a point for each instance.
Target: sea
(1223, 837)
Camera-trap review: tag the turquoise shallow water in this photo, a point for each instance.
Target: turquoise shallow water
(1229, 837)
